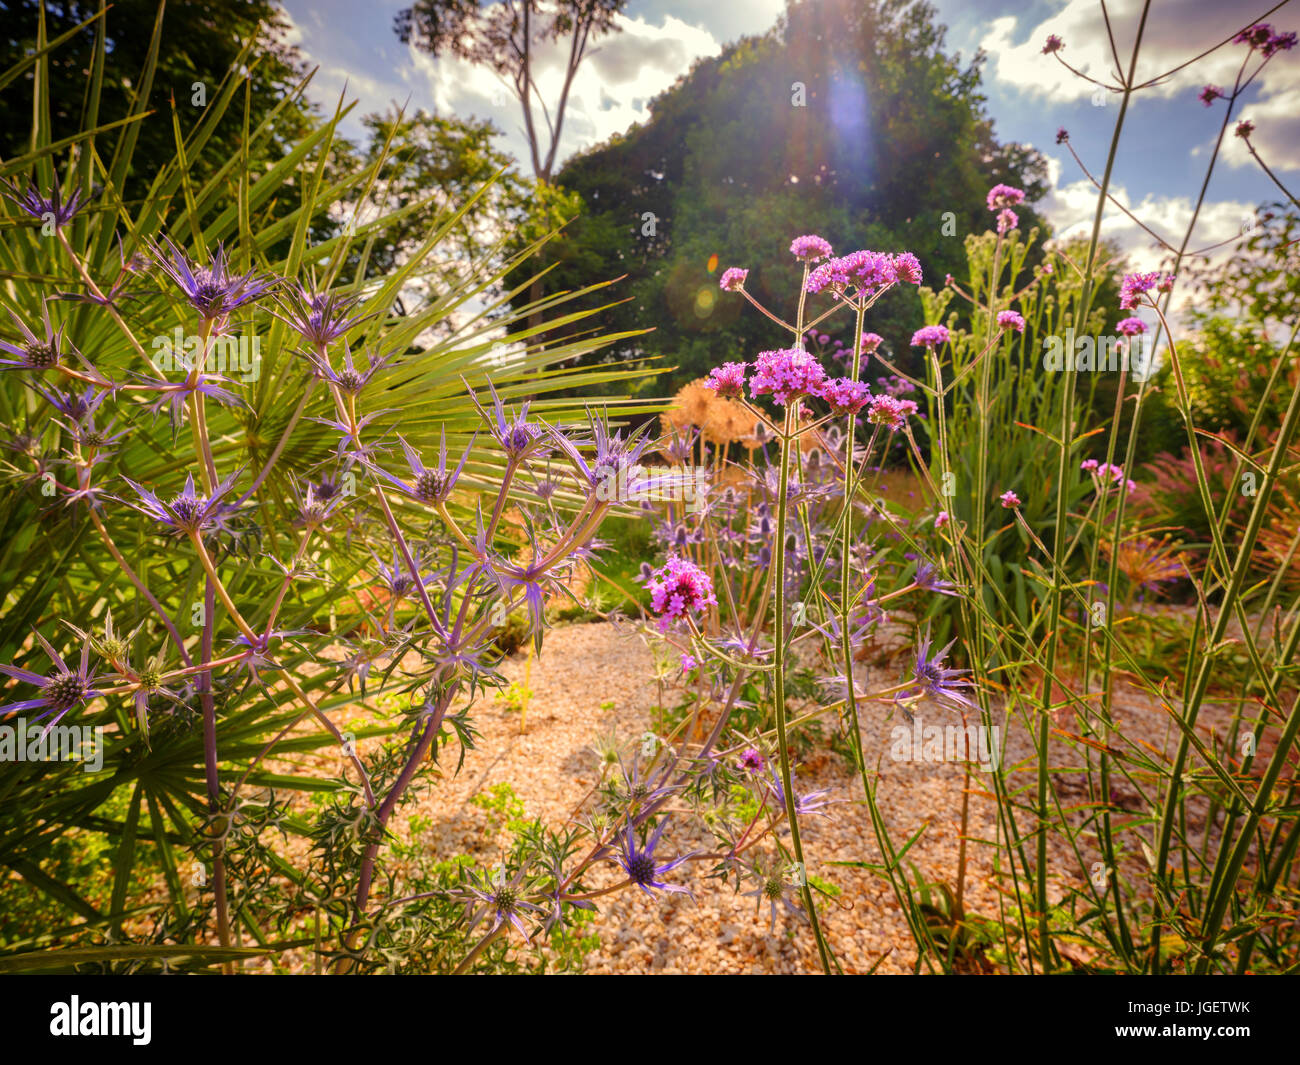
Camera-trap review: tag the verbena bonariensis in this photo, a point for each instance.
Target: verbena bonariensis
(779, 561)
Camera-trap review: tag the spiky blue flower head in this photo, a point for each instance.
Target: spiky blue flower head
(431, 485)
(62, 689)
(319, 318)
(213, 290)
(36, 352)
(490, 894)
(47, 207)
(188, 514)
(517, 436)
(641, 866)
(349, 380)
(935, 680)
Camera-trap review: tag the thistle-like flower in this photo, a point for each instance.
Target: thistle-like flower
(492, 895)
(936, 681)
(188, 514)
(213, 290)
(641, 866)
(775, 889)
(350, 381)
(63, 689)
(428, 484)
(36, 353)
(319, 318)
(517, 436)
(47, 209)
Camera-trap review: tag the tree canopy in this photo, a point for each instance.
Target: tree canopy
(847, 119)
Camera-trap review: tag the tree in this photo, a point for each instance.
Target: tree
(201, 45)
(505, 36)
(846, 119)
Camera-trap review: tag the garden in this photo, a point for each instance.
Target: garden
(416, 560)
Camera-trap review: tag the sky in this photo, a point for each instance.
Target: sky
(1168, 135)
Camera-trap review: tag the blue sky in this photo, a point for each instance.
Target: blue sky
(1168, 132)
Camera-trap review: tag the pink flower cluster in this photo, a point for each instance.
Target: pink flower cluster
(1011, 320)
(1003, 196)
(1009, 499)
(733, 279)
(867, 272)
(810, 248)
(677, 587)
(786, 373)
(930, 336)
(1131, 327)
(1101, 471)
(727, 380)
(1134, 285)
(845, 395)
(890, 411)
(1261, 36)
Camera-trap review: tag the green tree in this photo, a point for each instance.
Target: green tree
(847, 119)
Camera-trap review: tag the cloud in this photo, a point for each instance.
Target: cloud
(1175, 31)
(1072, 207)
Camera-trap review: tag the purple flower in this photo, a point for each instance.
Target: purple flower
(935, 680)
(751, 761)
(940, 520)
(640, 865)
(890, 411)
(930, 336)
(44, 208)
(1009, 499)
(1062, 135)
(809, 248)
(907, 268)
(350, 381)
(504, 900)
(1003, 196)
(1054, 44)
(1209, 94)
(1007, 220)
(1131, 327)
(517, 437)
(1011, 320)
(871, 341)
(811, 802)
(188, 514)
(1256, 36)
(320, 318)
(37, 353)
(927, 576)
(678, 587)
(845, 395)
(73, 405)
(428, 484)
(1279, 42)
(733, 279)
(727, 380)
(211, 290)
(786, 373)
(1244, 129)
(1135, 285)
(61, 690)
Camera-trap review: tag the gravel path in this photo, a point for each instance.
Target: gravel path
(551, 769)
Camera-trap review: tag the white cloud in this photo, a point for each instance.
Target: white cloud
(1175, 31)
